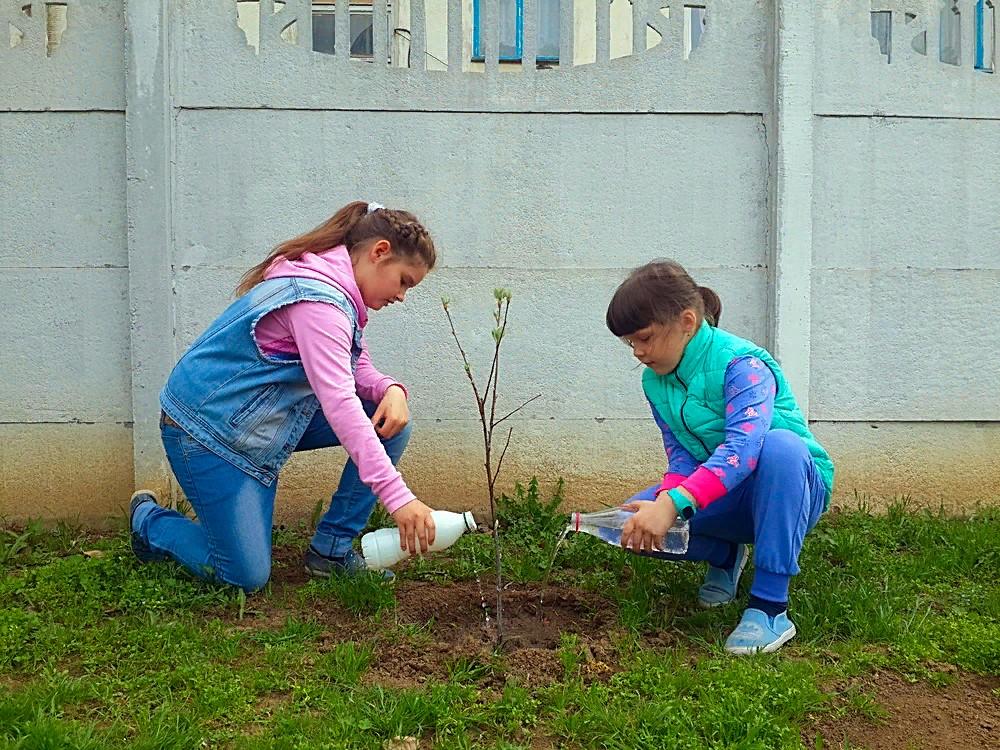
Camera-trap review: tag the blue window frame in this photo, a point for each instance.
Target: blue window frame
(985, 35)
(511, 30)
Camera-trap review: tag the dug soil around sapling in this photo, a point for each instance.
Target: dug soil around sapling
(448, 624)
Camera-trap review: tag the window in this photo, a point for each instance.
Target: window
(695, 22)
(324, 25)
(882, 31)
(950, 39)
(986, 35)
(512, 31)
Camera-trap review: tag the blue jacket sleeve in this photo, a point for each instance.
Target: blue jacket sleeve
(679, 461)
(750, 391)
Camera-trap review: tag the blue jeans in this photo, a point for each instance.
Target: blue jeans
(231, 540)
(773, 508)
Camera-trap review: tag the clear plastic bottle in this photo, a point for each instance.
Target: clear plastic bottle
(380, 548)
(607, 526)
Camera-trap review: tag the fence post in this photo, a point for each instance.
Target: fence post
(791, 146)
(148, 145)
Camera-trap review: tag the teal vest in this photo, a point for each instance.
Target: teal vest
(692, 401)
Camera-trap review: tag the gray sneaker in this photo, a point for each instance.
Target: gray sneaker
(140, 547)
(351, 564)
(721, 585)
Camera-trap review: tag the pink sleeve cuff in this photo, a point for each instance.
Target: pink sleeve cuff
(400, 386)
(397, 501)
(669, 482)
(704, 487)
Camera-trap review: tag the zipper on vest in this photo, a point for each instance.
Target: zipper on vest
(691, 432)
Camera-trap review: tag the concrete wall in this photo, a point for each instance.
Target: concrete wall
(847, 226)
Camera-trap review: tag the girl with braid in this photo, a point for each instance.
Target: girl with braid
(285, 368)
(742, 465)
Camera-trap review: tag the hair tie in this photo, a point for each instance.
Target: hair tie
(373, 207)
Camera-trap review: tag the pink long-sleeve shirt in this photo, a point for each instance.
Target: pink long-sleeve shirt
(321, 335)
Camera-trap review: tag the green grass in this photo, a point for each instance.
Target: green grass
(97, 651)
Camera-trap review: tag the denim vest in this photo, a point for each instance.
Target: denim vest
(247, 407)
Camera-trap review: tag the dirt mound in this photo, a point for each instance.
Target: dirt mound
(530, 620)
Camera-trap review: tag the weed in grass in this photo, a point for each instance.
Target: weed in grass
(12, 544)
(346, 662)
(518, 709)
(864, 703)
(418, 634)
(379, 519)
(363, 595)
(293, 631)
(293, 535)
(570, 655)
(316, 515)
(466, 669)
(465, 560)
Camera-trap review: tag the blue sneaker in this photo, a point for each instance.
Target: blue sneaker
(720, 585)
(351, 564)
(758, 633)
(140, 547)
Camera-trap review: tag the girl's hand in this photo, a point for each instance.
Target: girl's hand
(392, 414)
(646, 529)
(415, 525)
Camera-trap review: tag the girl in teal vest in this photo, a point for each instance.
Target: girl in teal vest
(743, 467)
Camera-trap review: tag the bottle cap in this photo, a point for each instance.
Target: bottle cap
(374, 550)
(470, 521)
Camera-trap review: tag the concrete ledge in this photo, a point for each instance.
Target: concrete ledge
(84, 471)
(949, 464)
(79, 472)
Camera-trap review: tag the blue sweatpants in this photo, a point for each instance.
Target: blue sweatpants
(773, 509)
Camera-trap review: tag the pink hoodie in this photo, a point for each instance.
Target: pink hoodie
(320, 335)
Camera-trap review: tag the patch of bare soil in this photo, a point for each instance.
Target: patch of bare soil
(964, 715)
(454, 635)
(448, 630)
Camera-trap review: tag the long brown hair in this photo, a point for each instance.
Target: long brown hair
(351, 226)
(659, 292)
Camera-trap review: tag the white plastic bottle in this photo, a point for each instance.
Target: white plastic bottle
(607, 526)
(380, 548)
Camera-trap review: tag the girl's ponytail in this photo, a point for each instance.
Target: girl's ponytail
(657, 293)
(353, 224)
(330, 233)
(713, 305)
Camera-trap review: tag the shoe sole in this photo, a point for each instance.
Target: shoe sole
(768, 649)
(156, 498)
(316, 573)
(743, 563)
(142, 551)
(326, 574)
